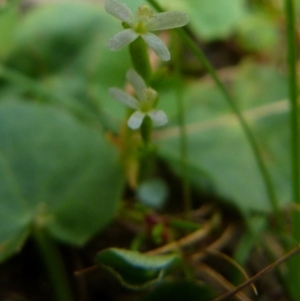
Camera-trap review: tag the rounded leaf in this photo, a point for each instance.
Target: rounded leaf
(55, 173)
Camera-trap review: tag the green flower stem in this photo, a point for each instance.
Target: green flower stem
(146, 130)
(140, 58)
(54, 265)
(294, 117)
(294, 263)
(254, 145)
(187, 200)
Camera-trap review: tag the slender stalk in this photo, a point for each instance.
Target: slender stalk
(294, 264)
(247, 131)
(140, 58)
(54, 265)
(146, 130)
(187, 201)
(294, 112)
(266, 270)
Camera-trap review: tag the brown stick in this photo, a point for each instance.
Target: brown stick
(259, 274)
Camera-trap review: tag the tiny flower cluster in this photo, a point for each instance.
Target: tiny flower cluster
(141, 25)
(144, 104)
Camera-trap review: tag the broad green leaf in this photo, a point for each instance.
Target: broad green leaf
(55, 173)
(217, 147)
(208, 18)
(8, 20)
(63, 48)
(298, 7)
(66, 36)
(52, 36)
(133, 269)
(258, 31)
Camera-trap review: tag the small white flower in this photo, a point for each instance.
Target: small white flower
(143, 105)
(141, 25)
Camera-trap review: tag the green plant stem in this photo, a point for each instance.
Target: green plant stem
(264, 271)
(54, 265)
(187, 200)
(146, 130)
(294, 264)
(248, 133)
(140, 58)
(294, 109)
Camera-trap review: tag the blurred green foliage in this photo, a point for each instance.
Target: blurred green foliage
(58, 171)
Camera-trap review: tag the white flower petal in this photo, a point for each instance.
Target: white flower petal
(121, 39)
(136, 119)
(119, 10)
(157, 46)
(167, 20)
(127, 99)
(137, 83)
(158, 117)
